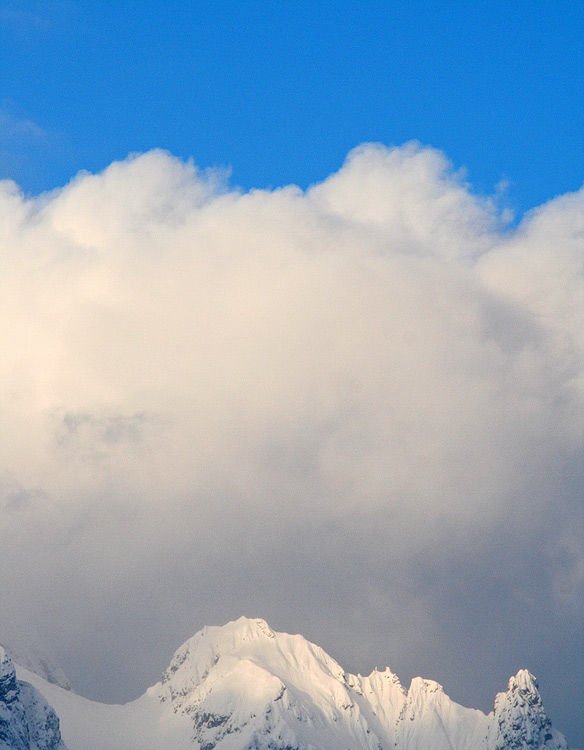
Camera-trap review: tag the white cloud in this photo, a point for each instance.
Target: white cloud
(215, 401)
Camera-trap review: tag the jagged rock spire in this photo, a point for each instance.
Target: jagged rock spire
(520, 721)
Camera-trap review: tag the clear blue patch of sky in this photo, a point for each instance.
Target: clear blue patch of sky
(280, 92)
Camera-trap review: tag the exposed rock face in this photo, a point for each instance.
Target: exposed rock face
(27, 722)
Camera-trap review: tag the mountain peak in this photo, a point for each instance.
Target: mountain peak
(248, 626)
(523, 682)
(8, 687)
(520, 719)
(420, 685)
(522, 692)
(6, 664)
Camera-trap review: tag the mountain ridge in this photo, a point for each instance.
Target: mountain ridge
(243, 686)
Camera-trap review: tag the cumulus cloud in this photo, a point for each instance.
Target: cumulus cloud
(355, 410)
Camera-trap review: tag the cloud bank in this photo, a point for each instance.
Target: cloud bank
(356, 411)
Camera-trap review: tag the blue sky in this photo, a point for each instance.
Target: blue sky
(280, 92)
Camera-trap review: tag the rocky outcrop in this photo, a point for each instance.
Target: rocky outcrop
(27, 722)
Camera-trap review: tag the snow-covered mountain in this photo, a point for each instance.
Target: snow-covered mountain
(244, 687)
(27, 722)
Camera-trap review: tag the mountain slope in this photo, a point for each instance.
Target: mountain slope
(27, 722)
(244, 687)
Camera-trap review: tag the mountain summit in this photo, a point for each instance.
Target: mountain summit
(520, 720)
(244, 687)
